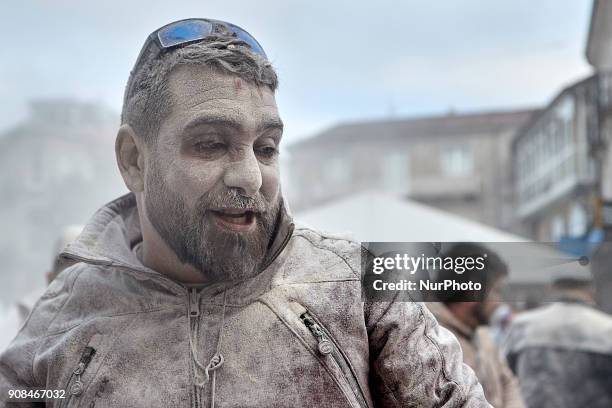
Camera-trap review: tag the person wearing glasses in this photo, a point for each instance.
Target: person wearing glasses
(197, 289)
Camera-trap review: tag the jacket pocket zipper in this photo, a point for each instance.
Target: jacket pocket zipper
(327, 346)
(75, 386)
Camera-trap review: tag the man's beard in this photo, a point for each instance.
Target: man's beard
(480, 314)
(194, 236)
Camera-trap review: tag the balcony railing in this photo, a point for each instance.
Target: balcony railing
(569, 124)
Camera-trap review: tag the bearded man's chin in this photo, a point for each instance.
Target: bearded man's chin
(227, 255)
(481, 315)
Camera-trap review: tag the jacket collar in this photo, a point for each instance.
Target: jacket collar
(111, 234)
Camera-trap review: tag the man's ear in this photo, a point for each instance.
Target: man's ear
(130, 151)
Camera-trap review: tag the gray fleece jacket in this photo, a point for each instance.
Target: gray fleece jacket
(113, 333)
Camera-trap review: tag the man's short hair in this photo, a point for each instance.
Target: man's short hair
(147, 98)
(495, 269)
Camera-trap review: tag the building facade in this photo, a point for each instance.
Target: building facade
(57, 168)
(459, 163)
(554, 174)
(562, 165)
(599, 55)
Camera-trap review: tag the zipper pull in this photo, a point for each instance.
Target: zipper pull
(194, 303)
(324, 345)
(77, 387)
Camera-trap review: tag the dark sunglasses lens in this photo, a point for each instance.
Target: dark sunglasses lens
(184, 31)
(247, 38)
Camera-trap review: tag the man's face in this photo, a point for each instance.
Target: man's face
(483, 311)
(212, 178)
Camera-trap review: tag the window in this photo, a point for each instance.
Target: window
(35, 175)
(396, 172)
(557, 228)
(578, 220)
(457, 161)
(565, 109)
(338, 170)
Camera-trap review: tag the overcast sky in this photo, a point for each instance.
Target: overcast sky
(337, 60)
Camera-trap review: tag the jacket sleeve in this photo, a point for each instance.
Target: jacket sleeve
(415, 362)
(18, 360)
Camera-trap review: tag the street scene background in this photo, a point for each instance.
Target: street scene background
(405, 122)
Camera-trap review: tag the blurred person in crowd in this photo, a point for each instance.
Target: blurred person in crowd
(467, 320)
(500, 322)
(68, 235)
(14, 318)
(196, 288)
(562, 352)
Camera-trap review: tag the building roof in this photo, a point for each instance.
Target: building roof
(429, 126)
(52, 117)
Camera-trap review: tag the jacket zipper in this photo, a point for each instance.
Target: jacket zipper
(194, 313)
(194, 303)
(75, 386)
(326, 346)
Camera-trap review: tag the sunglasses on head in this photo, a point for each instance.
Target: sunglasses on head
(183, 32)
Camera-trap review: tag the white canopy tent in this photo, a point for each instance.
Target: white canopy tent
(376, 217)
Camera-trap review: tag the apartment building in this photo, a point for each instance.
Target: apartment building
(459, 163)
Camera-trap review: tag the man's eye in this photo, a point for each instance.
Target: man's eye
(267, 151)
(208, 147)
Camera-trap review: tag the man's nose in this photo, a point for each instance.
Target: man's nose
(244, 174)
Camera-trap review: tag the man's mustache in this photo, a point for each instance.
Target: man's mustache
(231, 199)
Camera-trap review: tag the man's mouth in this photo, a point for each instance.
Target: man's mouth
(235, 219)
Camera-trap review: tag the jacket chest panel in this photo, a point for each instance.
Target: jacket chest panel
(270, 362)
(130, 360)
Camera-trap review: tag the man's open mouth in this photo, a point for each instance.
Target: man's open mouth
(235, 219)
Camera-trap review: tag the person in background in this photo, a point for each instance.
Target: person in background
(15, 317)
(468, 320)
(58, 264)
(562, 352)
(500, 322)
